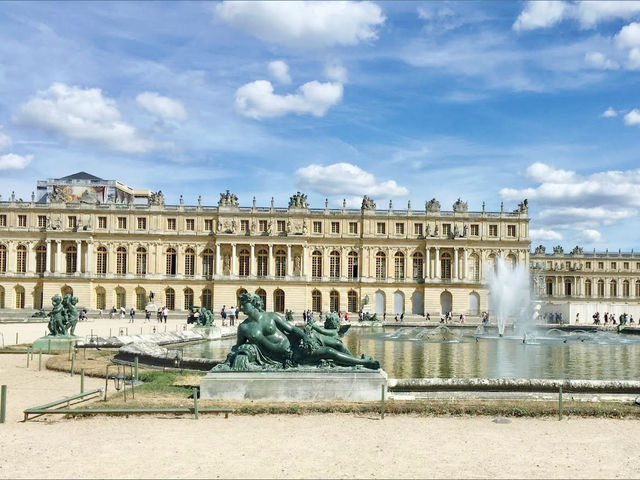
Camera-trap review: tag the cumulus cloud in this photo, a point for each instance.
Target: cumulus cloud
(5, 140)
(600, 61)
(609, 113)
(629, 36)
(542, 234)
(346, 179)
(540, 14)
(163, 107)
(590, 13)
(634, 59)
(257, 99)
(280, 72)
(336, 72)
(632, 118)
(541, 172)
(304, 24)
(11, 161)
(81, 114)
(591, 236)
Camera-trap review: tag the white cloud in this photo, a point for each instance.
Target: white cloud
(632, 118)
(629, 36)
(542, 234)
(544, 173)
(5, 140)
(163, 107)
(634, 59)
(609, 113)
(591, 236)
(600, 61)
(540, 14)
(346, 179)
(81, 114)
(279, 70)
(590, 13)
(304, 24)
(257, 100)
(336, 72)
(11, 161)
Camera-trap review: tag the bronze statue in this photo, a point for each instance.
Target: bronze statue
(56, 321)
(267, 341)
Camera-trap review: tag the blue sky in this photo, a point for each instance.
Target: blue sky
(488, 101)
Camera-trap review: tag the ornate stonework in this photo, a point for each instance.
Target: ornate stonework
(433, 206)
(228, 199)
(298, 201)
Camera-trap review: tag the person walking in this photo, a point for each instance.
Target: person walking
(232, 316)
(165, 314)
(147, 316)
(132, 315)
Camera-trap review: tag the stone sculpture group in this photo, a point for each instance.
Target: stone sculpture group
(63, 316)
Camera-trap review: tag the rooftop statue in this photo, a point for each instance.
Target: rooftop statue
(540, 250)
(577, 250)
(266, 341)
(558, 250)
(299, 200)
(59, 195)
(228, 199)
(523, 207)
(460, 206)
(433, 206)
(157, 198)
(368, 203)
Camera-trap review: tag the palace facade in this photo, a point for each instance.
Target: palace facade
(112, 245)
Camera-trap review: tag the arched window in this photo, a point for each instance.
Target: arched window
(263, 296)
(637, 288)
(21, 260)
(601, 288)
(263, 262)
(170, 299)
(568, 287)
(171, 264)
(71, 254)
(352, 301)
(334, 301)
(493, 260)
(20, 296)
(101, 261)
(316, 301)
(243, 263)
(101, 298)
(511, 260)
(418, 265)
(189, 262)
(207, 299)
(613, 288)
(334, 264)
(281, 264)
(141, 261)
(445, 266)
(381, 265)
(278, 301)
(238, 293)
(38, 297)
(1, 297)
(625, 288)
(398, 267)
(207, 263)
(3, 259)
(188, 298)
(141, 298)
(549, 285)
(316, 265)
(474, 268)
(121, 261)
(41, 258)
(121, 298)
(474, 303)
(352, 265)
(587, 288)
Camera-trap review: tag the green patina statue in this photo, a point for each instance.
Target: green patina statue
(288, 315)
(201, 316)
(267, 341)
(63, 316)
(368, 317)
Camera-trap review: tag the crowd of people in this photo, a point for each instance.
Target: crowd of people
(610, 318)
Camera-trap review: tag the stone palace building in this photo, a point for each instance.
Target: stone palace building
(113, 245)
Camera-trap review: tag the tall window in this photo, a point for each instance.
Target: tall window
(352, 265)
(102, 222)
(142, 223)
(170, 299)
(190, 224)
(445, 265)
(101, 261)
(316, 301)
(141, 299)
(3, 220)
(281, 263)
(334, 264)
(637, 288)
(380, 228)
(22, 220)
(171, 262)
(189, 262)
(399, 228)
(263, 262)
(21, 260)
(171, 223)
(587, 288)
(101, 298)
(625, 288)
(474, 268)
(334, 301)
(141, 261)
(316, 265)
(243, 261)
(398, 267)
(71, 256)
(122, 223)
(381, 265)
(207, 262)
(278, 301)
(3, 259)
(418, 265)
(613, 288)
(352, 301)
(493, 230)
(263, 296)
(121, 261)
(549, 285)
(335, 227)
(317, 227)
(121, 298)
(41, 258)
(207, 299)
(1, 297)
(600, 288)
(567, 287)
(20, 297)
(188, 298)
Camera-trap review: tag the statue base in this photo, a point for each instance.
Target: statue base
(151, 307)
(55, 343)
(366, 309)
(296, 384)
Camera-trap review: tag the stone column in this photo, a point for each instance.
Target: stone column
(78, 255)
(88, 268)
(59, 258)
(252, 260)
(465, 264)
(48, 265)
(232, 265)
(289, 271)
(272, 262)
(427, 263)
(455, 264)
(303, 263)
(31, 259)
(218, 267)
(437, 262)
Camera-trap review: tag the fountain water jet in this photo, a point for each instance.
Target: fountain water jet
(510, 295)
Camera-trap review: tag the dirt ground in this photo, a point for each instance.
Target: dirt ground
(308, 446)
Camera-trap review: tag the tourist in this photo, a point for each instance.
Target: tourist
(577, 317)
(462, 318)
(402, 317)
(147, 316)
(99, 313)
(396, 319)
(132, 314)
(112, 312)
(631, 319)
(223, 314)
(612, 317)
(304, 316)
(606, 318)
(346, 317)
(123, 311)
(428, 317)
(159, 313)
(232, 316)
(165, 314)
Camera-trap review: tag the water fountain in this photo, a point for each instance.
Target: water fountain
(510, 296)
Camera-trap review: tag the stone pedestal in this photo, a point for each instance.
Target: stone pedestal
(55, 343)
(151, 307)
(366, 308)
(295, 385)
